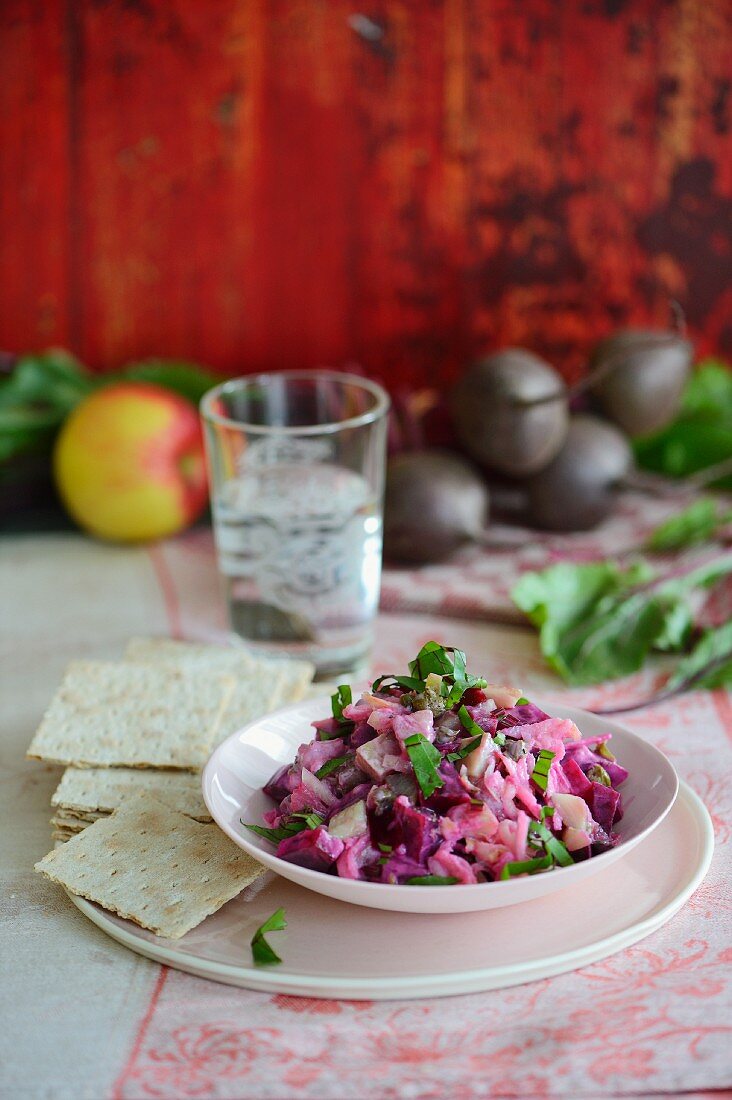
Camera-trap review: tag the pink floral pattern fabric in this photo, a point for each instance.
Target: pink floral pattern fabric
(653, 1019)
(476, 583)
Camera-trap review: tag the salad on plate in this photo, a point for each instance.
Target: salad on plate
(440, 778)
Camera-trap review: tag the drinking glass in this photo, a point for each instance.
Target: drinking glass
(296, 471)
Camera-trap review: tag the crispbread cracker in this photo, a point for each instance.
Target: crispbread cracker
(320, 690)
(71, 818)
(132, 715)
(233, 660)
(252, 699)
(262, 684)
(153, 866)
(85, 791)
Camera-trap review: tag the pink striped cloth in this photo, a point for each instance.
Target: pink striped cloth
(651, 1020)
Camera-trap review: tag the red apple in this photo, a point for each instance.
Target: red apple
(129, 463)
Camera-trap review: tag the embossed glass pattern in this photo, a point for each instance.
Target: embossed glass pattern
(296, 468)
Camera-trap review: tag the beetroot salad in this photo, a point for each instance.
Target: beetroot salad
(439, 778)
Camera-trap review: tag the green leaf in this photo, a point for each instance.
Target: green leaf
(598, 622)
(52, 380)
(409, 683)
(187, 379)
(331, 766)
(701, 435)
(676, 630)
(290, 828)
(262, 953)
(459, 688)
(713, 649)
(526, 866)
(697, 523)
(559, 598)
(35, 399)
(709, 391)
(543, 763)
(552, 845)
(340, 699)
(433, 658)
(466, 749)
(312, 820)
(469, 723)
(431, 880)
(425, 761)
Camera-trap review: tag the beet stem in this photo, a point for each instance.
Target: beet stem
(666, 693)
(607, 366)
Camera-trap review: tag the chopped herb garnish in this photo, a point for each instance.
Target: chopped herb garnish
(341, 699)
(434, 657)
(526, 867)
(466, 748)
(469, 724)
(472, 727)
(425, 761)
(552, 846)
(261, 950)
(450, 664)
(331, 766)
(431, 880)
(540, 773)
(385, 848)
(522, 702)
(291, 828)
(409, 683)
(275, 835)
(311, 820)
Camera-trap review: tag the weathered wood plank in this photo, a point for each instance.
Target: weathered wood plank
(269, 183)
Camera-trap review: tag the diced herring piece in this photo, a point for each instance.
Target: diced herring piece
(349, 822)
(380, 757)
(312, 848)
(477, 761)
(502, 695)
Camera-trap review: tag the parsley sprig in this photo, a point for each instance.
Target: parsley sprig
(262, 953)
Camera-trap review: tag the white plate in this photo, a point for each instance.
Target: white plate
(241, 765)
(333, 950)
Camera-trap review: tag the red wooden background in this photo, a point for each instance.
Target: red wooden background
(258, 184)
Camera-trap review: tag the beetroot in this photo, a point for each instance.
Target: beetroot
(330, 727)
(400, 866)
(317, 753)
(415, 829)
(362, 733)
(451, 793)
(604, 803)
(618, 774)
(315, 849)
(282, 783)
(578, 782)
(524, 715)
